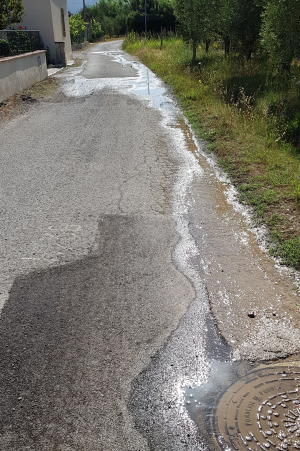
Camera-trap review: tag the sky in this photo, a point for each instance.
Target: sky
(76, 5)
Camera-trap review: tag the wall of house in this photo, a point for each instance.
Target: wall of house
(20, 72)
(38, 17)
(45, 16)
(61, 24)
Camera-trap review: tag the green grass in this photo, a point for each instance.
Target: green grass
(250, 122)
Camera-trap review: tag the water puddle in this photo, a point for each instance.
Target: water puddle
(254, 301)
(145, 85)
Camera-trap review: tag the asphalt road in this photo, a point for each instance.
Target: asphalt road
(120, 237)
(87, 240)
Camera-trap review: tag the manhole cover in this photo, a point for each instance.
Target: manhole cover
(261, 411)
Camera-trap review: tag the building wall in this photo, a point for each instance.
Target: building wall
(61, 24)
(38, 17)
(20, 72)
(45, 16)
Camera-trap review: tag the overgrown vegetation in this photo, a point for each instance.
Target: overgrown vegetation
(112, 15)
(118, 17)
(248, 112)
(97, 31)
(4, 48)
(19, 41)
(11, 12)
(77, 28)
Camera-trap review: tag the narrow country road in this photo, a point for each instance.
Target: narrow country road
(119, 239)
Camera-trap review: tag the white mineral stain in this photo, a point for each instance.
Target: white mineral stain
(222, 258)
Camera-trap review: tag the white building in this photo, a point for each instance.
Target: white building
(51, 18)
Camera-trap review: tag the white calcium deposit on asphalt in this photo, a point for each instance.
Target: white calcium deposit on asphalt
(183, 362)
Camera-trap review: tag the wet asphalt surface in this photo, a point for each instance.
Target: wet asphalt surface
(89, 286)
(120, 237)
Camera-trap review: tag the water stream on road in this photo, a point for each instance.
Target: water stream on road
(223, 255)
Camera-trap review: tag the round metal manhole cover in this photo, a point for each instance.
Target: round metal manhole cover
(261, 411)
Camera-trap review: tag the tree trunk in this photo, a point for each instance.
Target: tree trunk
(194, 51)
(286, 66)
(207, 44)
(227, 45)
(248, 55)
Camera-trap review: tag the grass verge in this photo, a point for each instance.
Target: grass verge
(230, 105)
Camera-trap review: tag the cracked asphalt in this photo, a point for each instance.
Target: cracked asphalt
(89, 289)
(128, 269)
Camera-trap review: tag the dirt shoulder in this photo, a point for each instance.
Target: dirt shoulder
(44, 91)
(263, 168)
(47, 90)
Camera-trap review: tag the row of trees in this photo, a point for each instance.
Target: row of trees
(244, 25)
(117, 17)
(280, 32)
(111, 14)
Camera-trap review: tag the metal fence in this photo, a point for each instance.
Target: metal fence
(16, 42)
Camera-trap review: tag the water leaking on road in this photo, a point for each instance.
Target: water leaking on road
(223, 256)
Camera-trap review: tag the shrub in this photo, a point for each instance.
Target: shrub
(4, 48)
(96, 30)
(77, 28)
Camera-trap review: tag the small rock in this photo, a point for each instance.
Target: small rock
(252, 314)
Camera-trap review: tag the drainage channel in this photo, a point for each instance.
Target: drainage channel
(199, 393)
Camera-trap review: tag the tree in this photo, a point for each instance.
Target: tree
(224, 21)
(186, 12)
(77, 28)
(96, 30)
(118, 16)
(235, 21)
(280, 34)
(238, 22)
(248, 26)
(195, 18)
(11, 12)
(111, 14)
